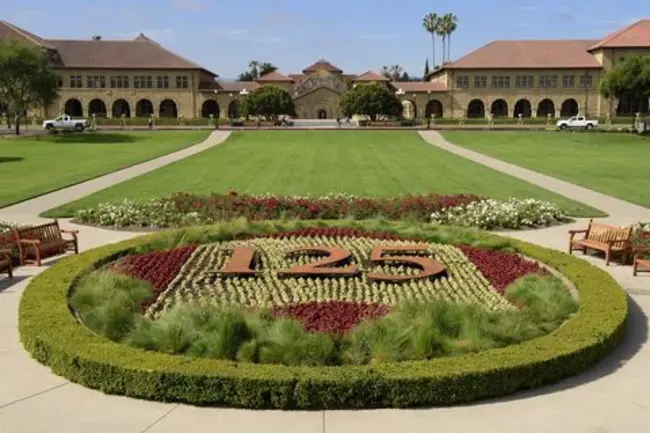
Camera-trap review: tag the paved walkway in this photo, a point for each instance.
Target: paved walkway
(31, 208)
(612, 397)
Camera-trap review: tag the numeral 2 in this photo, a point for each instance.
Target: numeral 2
(324, 267)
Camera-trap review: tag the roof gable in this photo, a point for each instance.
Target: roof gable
(633, 36)
(321, 64)
(12, 32)
(541, 54)
(370, 76)
(274, 76)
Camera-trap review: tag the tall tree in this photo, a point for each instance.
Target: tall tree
(370, 100)
(431, 22)
(426, 68)
(451, 24)
(629, 81)
(26, 79)
(442, 32)
(269, 102)
(393, 72)
(255, 70)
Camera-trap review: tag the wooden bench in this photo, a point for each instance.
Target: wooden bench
(37, 242)
(6, 264)
(602, 237)
(641, 264)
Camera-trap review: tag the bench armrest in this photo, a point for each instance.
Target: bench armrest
(575, 232)
(640, 252)
(70, 232)
(4, 252)
(30, 241)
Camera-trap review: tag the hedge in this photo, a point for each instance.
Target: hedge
(50, 332)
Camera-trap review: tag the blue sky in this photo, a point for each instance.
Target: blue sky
(355, 35)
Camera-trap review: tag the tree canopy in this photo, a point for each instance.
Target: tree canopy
(628, 80)
(370, 100)
(255, 70)
(269, 102)
(26, 79)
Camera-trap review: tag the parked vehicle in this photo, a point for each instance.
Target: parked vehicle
(65, 123)
(577, 122)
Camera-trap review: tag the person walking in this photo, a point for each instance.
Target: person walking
(151, 121)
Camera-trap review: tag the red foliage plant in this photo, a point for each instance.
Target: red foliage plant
(499, 267)
(335, 317)
(158, 268)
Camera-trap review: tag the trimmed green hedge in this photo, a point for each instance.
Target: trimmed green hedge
(51, 333)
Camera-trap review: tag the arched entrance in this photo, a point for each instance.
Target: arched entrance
(569, 108)
(434, 107)
(97, 107)
(168, 109)
(629, 106)
(144, 108)
(233, 109)
(210, 107)
(524, 108)
(476, 109)
(74, 108)
(322, 113)
(409, 111)
(499, 108)
(121, 107)
(546, 107)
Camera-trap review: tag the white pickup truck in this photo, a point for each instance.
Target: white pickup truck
(65, 123)
(577, 122)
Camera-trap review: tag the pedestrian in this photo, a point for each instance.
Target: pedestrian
(151, 121)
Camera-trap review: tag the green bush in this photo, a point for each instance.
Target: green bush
(53, 336)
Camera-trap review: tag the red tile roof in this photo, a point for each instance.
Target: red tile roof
(419, 86)
(274, 76)
(541, 54)
(370, 76)
(10, 31)
(632, 36)
(321, 64)
(229, 86)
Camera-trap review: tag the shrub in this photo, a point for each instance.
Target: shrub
(54, 337)
(501, 214)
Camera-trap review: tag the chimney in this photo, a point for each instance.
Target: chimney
(97, 38)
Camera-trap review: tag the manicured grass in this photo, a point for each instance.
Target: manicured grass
(365, 163)
(34, 166)
(614, 164)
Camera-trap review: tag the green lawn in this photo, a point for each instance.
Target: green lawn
(614, 164)
(365, 163)
(34, 166)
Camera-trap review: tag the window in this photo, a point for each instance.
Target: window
(96, 81)
(75, 82)
(548, 81)
(120, 82)
(568, 81)
(586, 81)
(162, 82)
(500, 82)
(480, 82)
(182, 82)
(524, 81)
(462, 82)
(143, 82)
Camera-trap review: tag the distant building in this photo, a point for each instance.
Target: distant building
(534, 78)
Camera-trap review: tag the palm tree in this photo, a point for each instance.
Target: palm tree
(431, 22)
(442, 32)
(451, 26)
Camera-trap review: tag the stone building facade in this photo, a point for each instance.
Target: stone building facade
(529, 78)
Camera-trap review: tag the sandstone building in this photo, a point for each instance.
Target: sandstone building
(531, 78)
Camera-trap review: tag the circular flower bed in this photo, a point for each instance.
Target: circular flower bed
(197, 265)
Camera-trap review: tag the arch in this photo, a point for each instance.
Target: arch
(168, 109)
(546, 107)
(233, 109)
(569, 108)
(433, 107)
(97, 107)
(631, 105)
(322, 113)
(74, 108)
(499, 108)
(144, 108)
(210, 107)
(524, 108)
(120, 107)
(475, 109)
(409, 110)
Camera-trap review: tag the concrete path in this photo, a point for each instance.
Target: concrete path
(36, 206)
(612, 397)
(623, 212)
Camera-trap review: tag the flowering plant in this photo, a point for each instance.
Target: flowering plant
(501, 214)
(641, 235)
